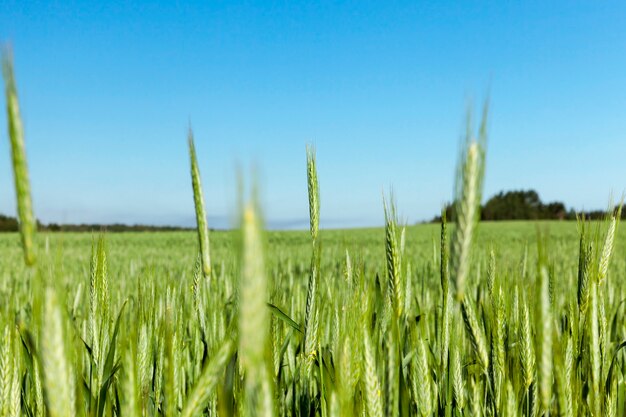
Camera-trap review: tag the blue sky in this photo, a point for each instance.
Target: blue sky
(380, 88)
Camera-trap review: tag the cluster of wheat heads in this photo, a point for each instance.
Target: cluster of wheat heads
(458, 333)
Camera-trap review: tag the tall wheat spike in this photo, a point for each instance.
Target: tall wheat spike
(38, 388)
(476, 404)
(6, 371)
(476, 334)
(527, 354)
(58, 377)
(594, 352)
(346, 373)
(584, 266)
(424, 381)
(609, 241)
(511, 400)
(396, 286)
(131, 404)
(563, 380)
(445, 278)
(198, 198)
(27, 223)
(491, 273)
(393, 367)
(498, 348)
(458, 385)
(145, 359)
(311, 313)
(16, 388)
(372, 390)
(468, 197)
(204, 387)
(314, 195)
(544, 340)
(254, 320)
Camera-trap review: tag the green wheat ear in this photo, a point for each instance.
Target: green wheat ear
(314, 194)
(26, 218)
(210, 377)
(57, 367)
(396, 287)
(254, 319)
(311, 322)
(198, 199)
(468, 196)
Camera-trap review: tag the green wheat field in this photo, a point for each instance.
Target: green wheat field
(460, 318)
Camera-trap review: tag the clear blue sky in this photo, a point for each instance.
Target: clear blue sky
(107, 92)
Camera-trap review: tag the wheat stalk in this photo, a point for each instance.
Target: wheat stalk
(527, 355)
(311, 314)
(372, 391)
(27, 223)
(594, 351)
(6, 371)
(458, 385)
(544, 339)
(476, 334)
(396, 287)
(210, 377)
(314, 195)
(607, 249)
(198, 199)
(424, 381)
(58, 378)
(467, 203)
(584, 265)
(254, 320)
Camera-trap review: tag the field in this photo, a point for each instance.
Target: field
(155, 271)
(174, 253)
(451, 319)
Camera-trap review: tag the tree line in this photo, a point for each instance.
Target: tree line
(525, 205)
(10, 224)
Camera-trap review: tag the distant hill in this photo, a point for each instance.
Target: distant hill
(525, 205)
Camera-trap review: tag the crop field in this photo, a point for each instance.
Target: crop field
(152, 274)
(460, 318)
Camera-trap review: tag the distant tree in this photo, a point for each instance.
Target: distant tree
(8, 224)
(513, 205)
(555, 210)
(525, 205)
